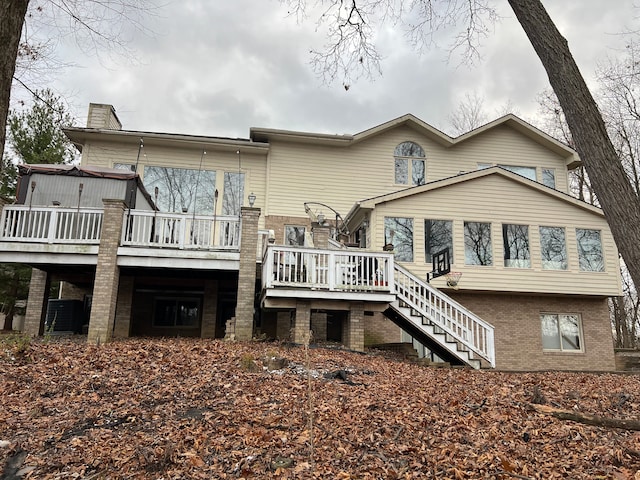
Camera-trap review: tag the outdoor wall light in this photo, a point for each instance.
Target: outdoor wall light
(252, 199)
(55, 203)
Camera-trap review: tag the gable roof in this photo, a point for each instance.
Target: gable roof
(413, 122)
(371, 203)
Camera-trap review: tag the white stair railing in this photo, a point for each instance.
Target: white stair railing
(447, 314)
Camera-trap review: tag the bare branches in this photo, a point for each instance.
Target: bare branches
(354, 30)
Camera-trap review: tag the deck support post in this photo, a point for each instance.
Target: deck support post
(247, 273)
(353, 331)
(105, 287)
(36, 313)
(303, 322)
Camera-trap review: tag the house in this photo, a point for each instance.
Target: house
(285, 232)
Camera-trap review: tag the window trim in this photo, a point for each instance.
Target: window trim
(304, 232)
(581, 350)
(521, 263)
(410, 159)
(490, 243)
(579, 250)
(564, 244)
(428, 255)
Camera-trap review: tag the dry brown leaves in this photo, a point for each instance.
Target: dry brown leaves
(185, 408)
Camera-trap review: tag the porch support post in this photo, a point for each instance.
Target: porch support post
(320, 235)
(37, 302)
(247, 273)
(123, 308)
(355, 337)
(209, 309)
(319, 326)
(303, 322)
(105, 287)
(283, 325)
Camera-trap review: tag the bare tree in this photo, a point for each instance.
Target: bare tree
(469, 114)
(96, 25)
(351, 46)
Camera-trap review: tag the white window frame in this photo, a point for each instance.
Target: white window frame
(558, 316)
(410, 161)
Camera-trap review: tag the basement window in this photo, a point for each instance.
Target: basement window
(561, 332)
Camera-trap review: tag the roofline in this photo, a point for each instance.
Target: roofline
(370, 203)
(528, 130)
(411, 121)
(79, 136)
(259, 134)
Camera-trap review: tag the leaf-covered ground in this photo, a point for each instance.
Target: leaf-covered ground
(184, 408)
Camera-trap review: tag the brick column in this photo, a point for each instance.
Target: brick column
(37, 302)
(283, 325)
(209, 309)
(105, 287)
(356, 327)
(320, 235)
(319, 326)
(247, 274)
(123, 307)
(303, 321)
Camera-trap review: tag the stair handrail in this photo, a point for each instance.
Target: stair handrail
(481, 340)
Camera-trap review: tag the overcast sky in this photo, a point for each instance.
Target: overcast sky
(219, 67)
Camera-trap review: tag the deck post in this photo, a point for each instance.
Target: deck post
(247, 273)
(320, 235)
(123, 308)
(209, 309)
(355, 327)
(319, 326)
(303, 322)
(105, 287)
(37, 302)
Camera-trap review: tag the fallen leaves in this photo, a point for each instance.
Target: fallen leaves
(189, 408)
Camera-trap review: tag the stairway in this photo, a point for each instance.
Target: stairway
(440, 323)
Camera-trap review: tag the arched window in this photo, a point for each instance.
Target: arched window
(409, 164)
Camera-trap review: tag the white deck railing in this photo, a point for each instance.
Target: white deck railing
(174, 230)
(447, 314)
(327, 269)
(22, 223)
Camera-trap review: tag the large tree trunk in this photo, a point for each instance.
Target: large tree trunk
(12, 13)
(610, 183)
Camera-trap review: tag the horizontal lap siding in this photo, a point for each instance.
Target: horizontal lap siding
(337, 176)
(505, 146)
(498, 200)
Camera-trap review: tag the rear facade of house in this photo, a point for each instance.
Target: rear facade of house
(286, 232)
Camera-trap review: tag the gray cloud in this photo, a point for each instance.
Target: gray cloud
(219, 68)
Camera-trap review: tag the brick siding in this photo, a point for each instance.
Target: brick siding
(518, 334)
